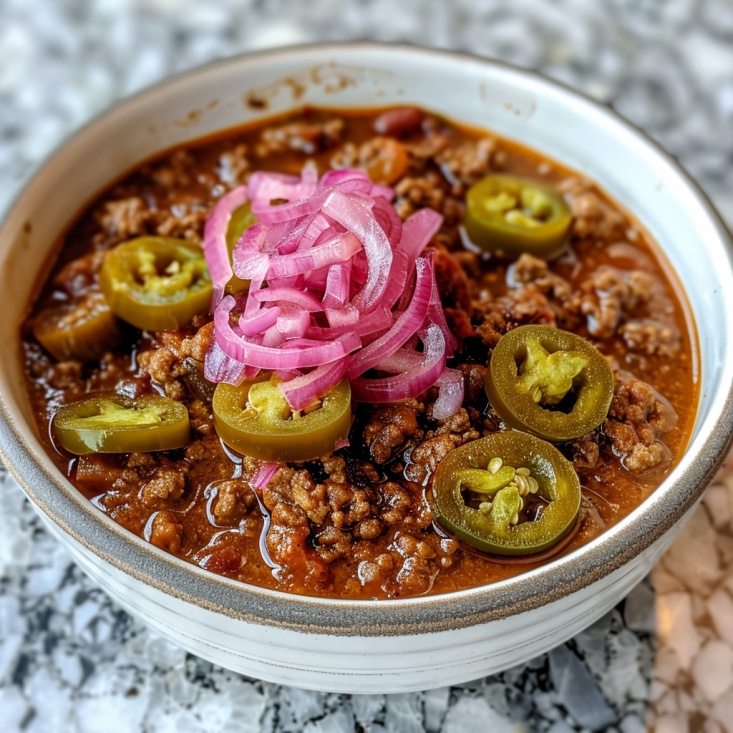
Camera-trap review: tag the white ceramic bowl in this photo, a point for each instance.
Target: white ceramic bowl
(372, 646)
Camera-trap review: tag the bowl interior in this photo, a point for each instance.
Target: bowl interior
(514, 103)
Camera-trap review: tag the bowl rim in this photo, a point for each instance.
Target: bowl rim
(60, 502)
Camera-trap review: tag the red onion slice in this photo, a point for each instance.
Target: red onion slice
(357, 217)
(302, 391)
(215, 240)
(301, 298)
(263, 357)
(327, 262)
(263, 475)
(409, 383)
(405, 326)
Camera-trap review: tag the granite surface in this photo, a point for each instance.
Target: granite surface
(70, 660)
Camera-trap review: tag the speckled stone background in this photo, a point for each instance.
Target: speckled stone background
(662, 661)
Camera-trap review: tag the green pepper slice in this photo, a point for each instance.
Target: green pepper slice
(241, 219)
(81, 329)
(494, 526)
(515, 215)
(549, 382)
(111, 423)
(156, 283)
(256, 420)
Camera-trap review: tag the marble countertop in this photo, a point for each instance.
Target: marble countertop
(662, 661)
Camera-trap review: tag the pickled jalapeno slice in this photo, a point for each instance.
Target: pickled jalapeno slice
(480, 491)
(156, 283)
(513, 215)
(256, 420)
(549, 382)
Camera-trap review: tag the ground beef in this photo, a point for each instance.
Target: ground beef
(348, 504)
(165, 369)
(638, 416)
(198, 345)
(383, 158)
(332, 543)
(593, 217)
(612, 294)
(232, 502)
(419, 567)
(305, 137)
(177, 170)
(532, 273)
(186, 222)
(396, 503)
(494, 317)
(453, 284)
(417, 192)
(651, 337)
(234, 166)
(166, 483)
(389, 428)
(450, 433)
(465, 164)
(124, 219)
(359, 522)
(166, 531)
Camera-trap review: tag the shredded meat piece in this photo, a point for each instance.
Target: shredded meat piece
(593, 217)
(304, 137)
(389, 428)
(637, 417)
(651, 337)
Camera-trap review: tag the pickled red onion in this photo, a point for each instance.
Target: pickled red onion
(339, 286)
